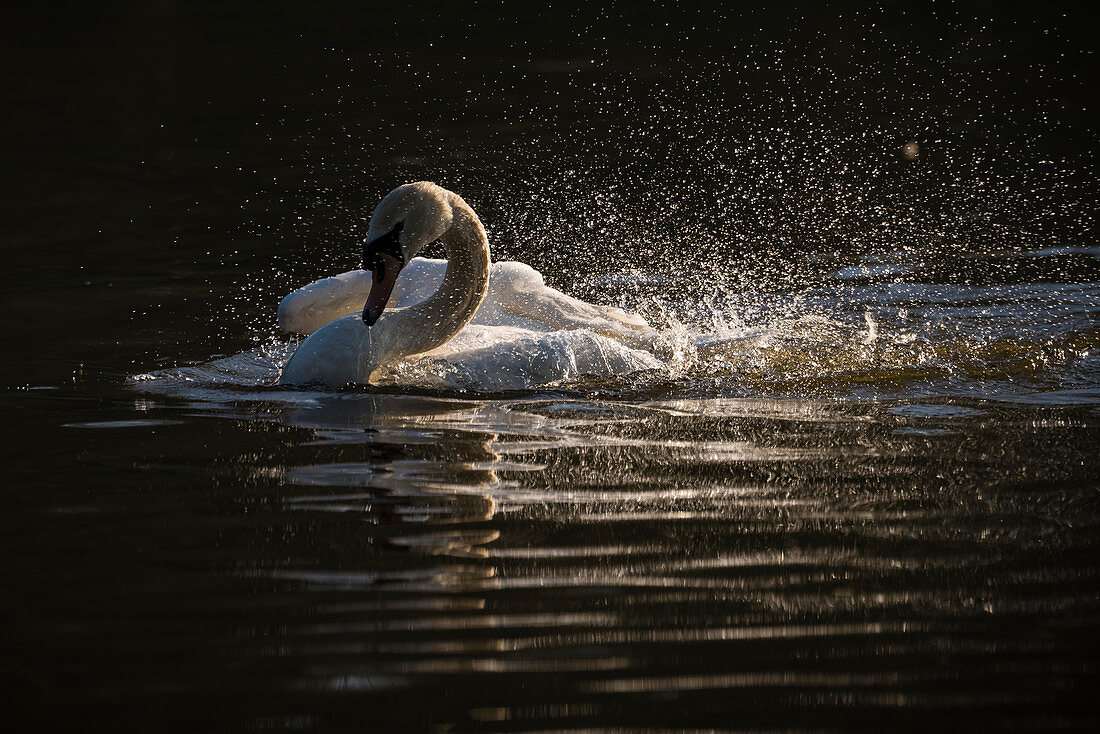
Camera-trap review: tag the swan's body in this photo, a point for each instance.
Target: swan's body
(501, 326)
(517, 296)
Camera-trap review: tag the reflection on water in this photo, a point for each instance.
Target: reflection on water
(546, 562)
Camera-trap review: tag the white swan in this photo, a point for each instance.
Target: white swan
(500, 326)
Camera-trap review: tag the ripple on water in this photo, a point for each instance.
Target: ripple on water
(137, 423)
(869, 507)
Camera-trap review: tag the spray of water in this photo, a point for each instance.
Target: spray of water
(802, 214)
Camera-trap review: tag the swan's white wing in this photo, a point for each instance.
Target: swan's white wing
(309, 308)
(517, 297)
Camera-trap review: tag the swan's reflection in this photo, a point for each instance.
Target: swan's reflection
(443, 592)
(417, 473)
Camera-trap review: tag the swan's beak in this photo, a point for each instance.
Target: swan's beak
(384, 257)
(383, 275)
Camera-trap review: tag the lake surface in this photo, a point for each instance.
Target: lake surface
(859, 494)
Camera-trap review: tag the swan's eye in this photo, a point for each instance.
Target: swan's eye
(387, 245)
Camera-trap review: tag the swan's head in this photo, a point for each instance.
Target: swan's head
(408, 219)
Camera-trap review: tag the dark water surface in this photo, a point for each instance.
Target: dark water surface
(860, 495)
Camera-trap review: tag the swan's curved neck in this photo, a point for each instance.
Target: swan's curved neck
(427, 325)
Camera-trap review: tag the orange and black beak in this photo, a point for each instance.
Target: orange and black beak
(384, 258)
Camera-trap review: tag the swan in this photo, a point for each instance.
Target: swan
(499, 325)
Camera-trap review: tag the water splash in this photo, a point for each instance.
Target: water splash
(844, 340)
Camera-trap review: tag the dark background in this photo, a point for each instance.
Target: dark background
(202, 158)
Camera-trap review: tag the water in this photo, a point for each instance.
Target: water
(859, 494)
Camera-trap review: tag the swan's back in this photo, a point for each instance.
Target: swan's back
(517, 297)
